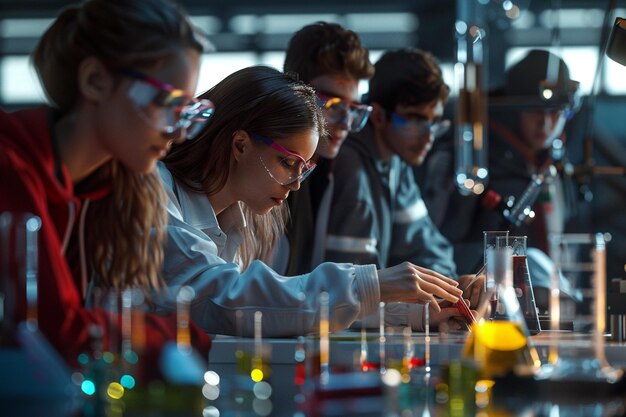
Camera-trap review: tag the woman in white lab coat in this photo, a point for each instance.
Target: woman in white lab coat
(254, 151)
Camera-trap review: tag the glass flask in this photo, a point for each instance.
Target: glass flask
(522, 283)
(500, 343)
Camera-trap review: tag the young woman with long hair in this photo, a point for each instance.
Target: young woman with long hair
(254, 151)
(120, 78)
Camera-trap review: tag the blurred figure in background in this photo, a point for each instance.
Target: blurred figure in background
(527, 117)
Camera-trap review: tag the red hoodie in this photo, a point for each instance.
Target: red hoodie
(28, 183)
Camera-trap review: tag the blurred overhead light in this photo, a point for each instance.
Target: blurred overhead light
(526, 20)
(23, 28)
(209, 24)
(382, 22)
(513, 12)
(572, 18)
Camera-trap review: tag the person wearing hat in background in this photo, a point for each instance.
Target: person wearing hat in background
(527, 117)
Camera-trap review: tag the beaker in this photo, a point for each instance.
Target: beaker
(522, 282)
(490, 242)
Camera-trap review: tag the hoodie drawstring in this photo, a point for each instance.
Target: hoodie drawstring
(81, 248)
(70, 226)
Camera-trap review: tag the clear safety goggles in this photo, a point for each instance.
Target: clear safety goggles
(338, 110)
(418, 128)
(173, 110)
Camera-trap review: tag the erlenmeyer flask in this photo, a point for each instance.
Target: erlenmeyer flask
(522, 283)
(501, 345)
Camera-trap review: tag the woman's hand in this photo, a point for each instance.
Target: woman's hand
(475, 291)
(411, 283)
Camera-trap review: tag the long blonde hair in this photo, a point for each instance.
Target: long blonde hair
(256, 99)
(124, 230)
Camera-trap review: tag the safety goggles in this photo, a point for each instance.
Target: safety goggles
(176, 110)
(338, 110)
(287, 169)
(418, 128)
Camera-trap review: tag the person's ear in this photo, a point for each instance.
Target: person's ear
(378, 117)
(241, 143)
(95, 82)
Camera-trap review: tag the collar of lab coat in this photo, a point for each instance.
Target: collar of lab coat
(196, 210)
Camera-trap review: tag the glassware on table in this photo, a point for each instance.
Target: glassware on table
(180, 363)
(500, 343)
(251, 385)
(253, 355)
(34, 376)
(490, 242)
(580, 356)
(182, 367)
(372, 357)
(522, 282)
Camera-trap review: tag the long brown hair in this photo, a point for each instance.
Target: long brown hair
(124, 231)
(256, 99)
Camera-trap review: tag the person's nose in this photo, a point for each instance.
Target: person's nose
(177, 136)
(548, 121)
(294, 186)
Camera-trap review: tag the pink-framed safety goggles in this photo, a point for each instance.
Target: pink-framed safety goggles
(288, 169)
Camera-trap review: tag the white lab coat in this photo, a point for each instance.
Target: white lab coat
(200, 252)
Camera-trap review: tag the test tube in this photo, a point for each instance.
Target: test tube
(32, 226)
(407, 361)
(324, 339)
(183, 301)
(127, 304)
(364, 349)
(427, 338)
(300, 351)
(241, 357)
(138, 322)
(381, 336)
(258, 368)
